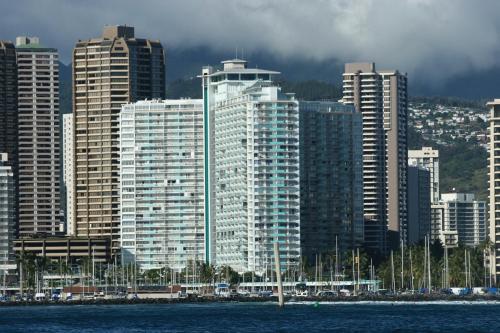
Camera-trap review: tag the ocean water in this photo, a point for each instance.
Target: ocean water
(254, 317)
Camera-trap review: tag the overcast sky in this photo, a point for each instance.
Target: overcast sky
(427, 38)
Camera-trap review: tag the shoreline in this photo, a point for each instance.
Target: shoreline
(406, 299)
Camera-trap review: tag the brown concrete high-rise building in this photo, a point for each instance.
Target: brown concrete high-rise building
(382, 99)
(108, 71)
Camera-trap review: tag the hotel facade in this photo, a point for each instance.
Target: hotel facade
(252, 168)
(162, 183)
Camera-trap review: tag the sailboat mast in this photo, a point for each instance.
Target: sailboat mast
(465, 268)
(353, 273)
(424, 275)
(402, 264)
(429, 261)
(281, 301)
(411, 271)
(336, 261)
(393, 282)
(359, 273)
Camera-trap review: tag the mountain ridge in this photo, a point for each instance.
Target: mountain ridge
(186, 63)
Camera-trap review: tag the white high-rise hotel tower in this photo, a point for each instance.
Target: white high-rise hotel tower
(252, 168)
(161, 182)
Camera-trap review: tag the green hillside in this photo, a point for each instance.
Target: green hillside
(463, 166)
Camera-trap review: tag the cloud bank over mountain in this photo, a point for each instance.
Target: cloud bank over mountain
(431, 40)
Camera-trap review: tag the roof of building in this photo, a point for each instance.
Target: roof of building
(239, 66)
(35, 47)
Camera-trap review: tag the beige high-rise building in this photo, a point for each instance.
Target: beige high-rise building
(108, 72)
(38, 137)
(494, 183)
(381, 96)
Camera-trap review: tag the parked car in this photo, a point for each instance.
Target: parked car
(40, 297)
(265, 293)
(222, 290)
(302, 293)
(243, 293)
(326, 293)
(345, 292)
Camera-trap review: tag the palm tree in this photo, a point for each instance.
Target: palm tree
(229, 274)
(26, 262)
(152, 275)
(41, 263)
(207, 273)
(488, 248)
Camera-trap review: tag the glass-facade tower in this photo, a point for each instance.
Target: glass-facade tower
(331, 178)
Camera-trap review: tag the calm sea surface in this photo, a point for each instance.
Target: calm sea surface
(251, 317)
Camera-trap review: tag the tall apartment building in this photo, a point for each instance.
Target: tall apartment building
(419, 203)
(38, 137)
(7, 213)
(162, 183)
(464, 219)
(68, 167)
(108, 72)
(428, 159)
(8, 107)
(252, 167)
(494, 188)
(331, 178)
(381, 97)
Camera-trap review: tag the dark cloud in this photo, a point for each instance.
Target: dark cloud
(435, 39)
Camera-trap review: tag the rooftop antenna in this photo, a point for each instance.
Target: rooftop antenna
(242, 54)
(236, 52)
